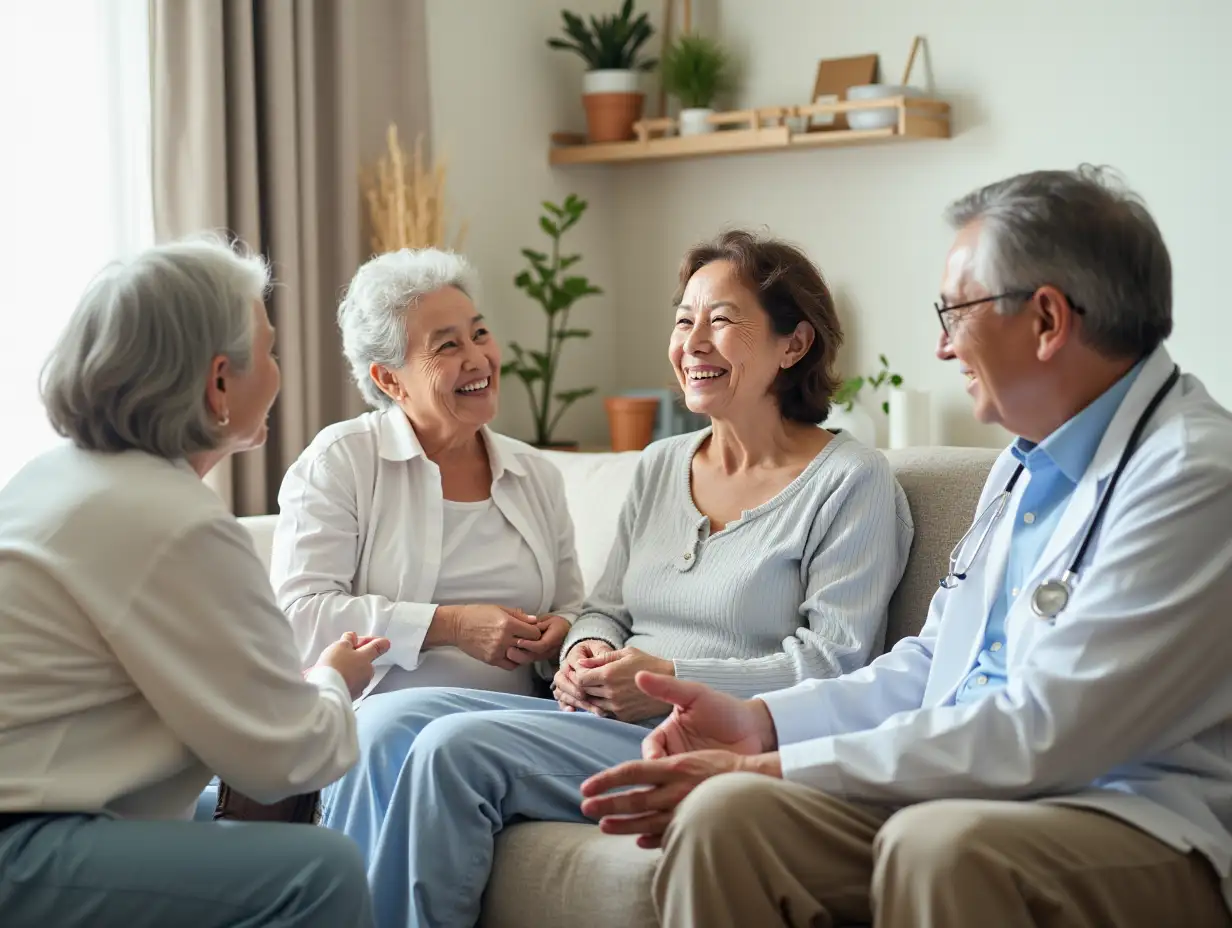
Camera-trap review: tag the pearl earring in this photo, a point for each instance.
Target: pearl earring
(224, 421)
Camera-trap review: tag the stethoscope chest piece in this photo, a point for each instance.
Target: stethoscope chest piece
(1050, 598)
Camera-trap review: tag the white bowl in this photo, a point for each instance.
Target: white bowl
(878, 118)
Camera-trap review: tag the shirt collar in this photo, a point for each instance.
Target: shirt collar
(1072, 447)
(397, 441)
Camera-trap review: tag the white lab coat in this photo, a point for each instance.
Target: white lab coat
(1123, 703)
(358, 542)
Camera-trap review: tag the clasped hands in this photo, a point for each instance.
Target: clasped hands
(707, 733)
(595, 677)
(504, 637)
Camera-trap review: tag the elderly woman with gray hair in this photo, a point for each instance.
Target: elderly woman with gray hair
(415, 521)
(143, 650)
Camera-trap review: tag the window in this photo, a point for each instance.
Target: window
(74, 181)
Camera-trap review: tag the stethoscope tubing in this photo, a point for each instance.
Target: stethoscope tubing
(950, 580)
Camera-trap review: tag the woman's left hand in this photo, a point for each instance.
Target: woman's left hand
(552, 632)
(609, 681)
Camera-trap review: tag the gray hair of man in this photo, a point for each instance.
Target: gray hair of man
(372, 315)
(1085, 233)
(130, 369)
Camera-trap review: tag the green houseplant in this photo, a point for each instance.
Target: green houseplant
(611, 47)
(849, 391)
(546, 282)
(608, 43)
(696, 69)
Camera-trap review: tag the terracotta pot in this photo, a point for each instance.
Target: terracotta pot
(610, 116)
(631, 420)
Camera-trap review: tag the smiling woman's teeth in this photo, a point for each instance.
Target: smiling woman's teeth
(705, 375)
(473, 387)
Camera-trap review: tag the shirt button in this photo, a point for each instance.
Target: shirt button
(996, 646)
(1029, 518)
(688, 555)
(1014, 592)
(981, 679)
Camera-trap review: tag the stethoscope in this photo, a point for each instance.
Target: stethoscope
(1051, 597)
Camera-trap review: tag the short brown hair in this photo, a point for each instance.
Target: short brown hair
(791, 290)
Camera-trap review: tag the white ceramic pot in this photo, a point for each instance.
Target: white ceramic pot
(695, 120)
(856, 422)
(612, 81)
(878, 118)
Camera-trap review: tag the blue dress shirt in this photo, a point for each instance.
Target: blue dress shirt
(1053, 469)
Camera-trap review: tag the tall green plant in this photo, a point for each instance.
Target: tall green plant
(609, 42)
(695, 70)
(545, 282)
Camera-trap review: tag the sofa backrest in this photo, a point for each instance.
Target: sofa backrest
(942, 487)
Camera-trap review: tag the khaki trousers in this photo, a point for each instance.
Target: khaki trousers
(754, 852)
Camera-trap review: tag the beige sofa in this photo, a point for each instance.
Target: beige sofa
(555, 875)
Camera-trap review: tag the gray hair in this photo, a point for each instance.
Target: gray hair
(130, 369)
(1085, 233)
(372, 315)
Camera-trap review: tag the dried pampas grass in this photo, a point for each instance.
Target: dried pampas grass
(406, 211)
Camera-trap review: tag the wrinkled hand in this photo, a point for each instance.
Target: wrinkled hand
(552, 631)
(565, 686)
(352, 656)
(489, 633)
(608, 680)
(705, 719)
(664, 783)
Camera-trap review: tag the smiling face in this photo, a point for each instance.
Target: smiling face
(996, 351)
(451, 377)
(723, 349)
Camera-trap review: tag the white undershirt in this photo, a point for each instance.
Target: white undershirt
(483, 560)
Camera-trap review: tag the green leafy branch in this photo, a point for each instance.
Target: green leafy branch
(546, 282)
(849, 391)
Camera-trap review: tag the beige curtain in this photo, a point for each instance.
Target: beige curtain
(263, 112)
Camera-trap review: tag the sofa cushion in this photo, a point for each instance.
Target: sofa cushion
(943, 487)
(595, 489)
(261, 528)
(550, 874)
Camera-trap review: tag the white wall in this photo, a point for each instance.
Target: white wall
(1130, 83)
(498, 92)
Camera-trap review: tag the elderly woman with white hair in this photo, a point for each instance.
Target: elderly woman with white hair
(143, 650)
(415, 521)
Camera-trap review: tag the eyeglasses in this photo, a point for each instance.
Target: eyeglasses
(943, 311)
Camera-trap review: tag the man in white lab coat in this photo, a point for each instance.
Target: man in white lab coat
(1055, 746)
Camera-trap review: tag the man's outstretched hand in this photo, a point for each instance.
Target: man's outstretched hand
(704, 719)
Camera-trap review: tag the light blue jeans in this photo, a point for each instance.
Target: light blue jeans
(441, 771)
(85, 871)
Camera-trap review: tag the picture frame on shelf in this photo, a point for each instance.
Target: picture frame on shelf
(834, 76)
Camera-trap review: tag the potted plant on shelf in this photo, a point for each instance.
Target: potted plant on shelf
(610, 46)
(695, 70)
(546, 283)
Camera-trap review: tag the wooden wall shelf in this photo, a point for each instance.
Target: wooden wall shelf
(766, 129)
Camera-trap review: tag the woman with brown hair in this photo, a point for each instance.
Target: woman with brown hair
(751, 555)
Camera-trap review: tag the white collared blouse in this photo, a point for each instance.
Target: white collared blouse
(360, 537)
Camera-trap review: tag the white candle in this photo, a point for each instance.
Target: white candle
(910, 418)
